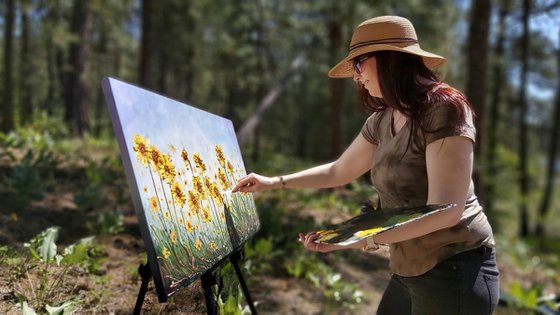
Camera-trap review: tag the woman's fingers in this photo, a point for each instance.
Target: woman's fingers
(246, 184)
(309, 241)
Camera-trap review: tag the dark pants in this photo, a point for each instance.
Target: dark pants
(466, 283)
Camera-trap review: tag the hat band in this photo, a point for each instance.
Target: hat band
(383, 41)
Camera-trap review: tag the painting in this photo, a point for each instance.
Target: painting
(374, 221)
(181, 164)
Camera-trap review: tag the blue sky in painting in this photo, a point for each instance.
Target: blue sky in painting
(164, 121)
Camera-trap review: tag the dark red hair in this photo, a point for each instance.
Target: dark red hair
(410, 87)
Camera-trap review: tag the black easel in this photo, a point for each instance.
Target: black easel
(234, 259)
(208, 279)
(146, 274)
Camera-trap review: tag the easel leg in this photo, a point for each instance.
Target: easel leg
(146, 274)
(235, 258)
(208, 279)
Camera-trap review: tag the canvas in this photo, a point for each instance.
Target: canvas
(181, 164)
(374, 221)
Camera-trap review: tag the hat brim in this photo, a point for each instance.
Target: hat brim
(345, 68)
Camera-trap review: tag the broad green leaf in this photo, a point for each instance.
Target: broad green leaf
(63, 308)
(47, 250)
(231, 305)
(76, 254)
(26, 310)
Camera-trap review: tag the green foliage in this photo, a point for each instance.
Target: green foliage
(337, 291)
(94, 195)
(50, 126)
(233, 305)
(43, 246)
(16, 263)
(51, 269)
(259, 255)
(107, 223)
(524, 297)
(32, 161)
(232, 293)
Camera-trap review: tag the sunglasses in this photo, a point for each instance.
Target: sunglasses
(358, 63)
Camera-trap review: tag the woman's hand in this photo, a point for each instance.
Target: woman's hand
(255, 182)
(309, 241)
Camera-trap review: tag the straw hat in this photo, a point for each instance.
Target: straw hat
(383, 33)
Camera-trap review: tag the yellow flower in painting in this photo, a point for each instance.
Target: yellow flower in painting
(166, 253)
(185, 155)
(230, 167)
(145, 189)
(166, 215)
(220, 155)
(223, 178)
(198, 186)
(198, 244)
(166, 169)
(172, 148)
(213, 245)
(180, 220)
(207, 183)
(154, 204)
(206, 215)
(178, 194)
(173, 237)
(193, 201)
(188, 225)
(141, 147)
(155, 156)
(199, 162)
(216, 193)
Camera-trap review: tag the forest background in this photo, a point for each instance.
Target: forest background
(262, 64)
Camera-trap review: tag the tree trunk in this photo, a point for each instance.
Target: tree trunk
(494, 115)
(477, 65)
(145, 46)
(189, 24)
(248, 129)
(302, 145)
(260, 49)
(162, 72)
(78, 93)
(523, 143)
(8, 105)
(26, 93)
(552, 152)
(51, 77)
(99, 108)
(55, 59)
(336, 85)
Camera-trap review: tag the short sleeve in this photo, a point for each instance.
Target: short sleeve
(369, 129)
(447, 120)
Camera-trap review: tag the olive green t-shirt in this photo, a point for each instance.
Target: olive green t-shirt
(400, 177)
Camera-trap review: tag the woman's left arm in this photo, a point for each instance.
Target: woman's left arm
(449, 166)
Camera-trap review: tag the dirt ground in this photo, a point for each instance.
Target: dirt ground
(274, 293)
(115, 288)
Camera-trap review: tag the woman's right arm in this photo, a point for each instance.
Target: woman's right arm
(355, 161)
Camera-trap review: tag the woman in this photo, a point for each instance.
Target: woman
(418, 145)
